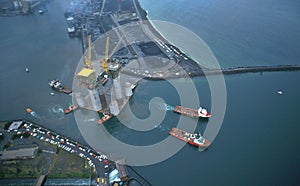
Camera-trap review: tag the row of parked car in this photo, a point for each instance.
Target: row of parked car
(98, 161)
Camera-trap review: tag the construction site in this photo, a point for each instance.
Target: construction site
(21, 7)
(118, 49)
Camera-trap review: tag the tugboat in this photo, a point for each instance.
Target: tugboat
(201, 112)
(104, 118)
(71, 108)
(29, 110)
(193, 139)
(57, 85)
(133, 86)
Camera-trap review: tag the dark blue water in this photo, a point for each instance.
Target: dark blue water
(258, 142)
(239, 32)
(41, 44)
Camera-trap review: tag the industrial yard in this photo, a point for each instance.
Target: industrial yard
(26, 145)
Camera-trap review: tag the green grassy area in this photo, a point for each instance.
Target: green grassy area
(30, 168)
(19, 171)
(66, 165)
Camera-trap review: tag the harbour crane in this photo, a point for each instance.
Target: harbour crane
(87, 59)
(104, 61)
(87, 75)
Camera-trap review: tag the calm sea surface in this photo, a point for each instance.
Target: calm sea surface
(258, 143)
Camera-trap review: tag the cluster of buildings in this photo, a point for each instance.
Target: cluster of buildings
(17, 7)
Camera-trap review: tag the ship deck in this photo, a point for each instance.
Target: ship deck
(180, 134)
(186, 111)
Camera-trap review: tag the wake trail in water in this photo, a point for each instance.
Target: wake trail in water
(166, 107)
(163, 128)
(54, 112)
(35, 115)
(57, 111)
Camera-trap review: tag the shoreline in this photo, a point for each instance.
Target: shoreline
(178, 63)
(204, 70)
(223, 71)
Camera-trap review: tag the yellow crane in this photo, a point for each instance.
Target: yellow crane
(88, 59)
(105, 59)
(87, 75)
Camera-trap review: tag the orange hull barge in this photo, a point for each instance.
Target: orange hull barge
(104, 118)
(193, 139)
(70, 109)
(201, 112)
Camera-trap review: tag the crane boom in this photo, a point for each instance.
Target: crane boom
(106, 48)
(116, 47)
(88, 59)
(86, 75)
(104, 61)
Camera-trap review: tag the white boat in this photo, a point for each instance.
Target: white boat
(133, 86)
(57, 85)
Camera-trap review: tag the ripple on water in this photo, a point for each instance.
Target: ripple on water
(56, 111)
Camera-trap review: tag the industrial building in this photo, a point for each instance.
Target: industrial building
(17, 154)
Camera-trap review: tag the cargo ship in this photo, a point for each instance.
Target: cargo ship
(193, 139)
(201, 112)
(57, 85)
(70, 109)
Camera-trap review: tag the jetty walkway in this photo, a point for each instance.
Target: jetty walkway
(203, 71)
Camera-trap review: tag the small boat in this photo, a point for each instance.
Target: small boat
(133, 86)
(194, 139)
(33, 113)
(104, 118)
(104, 80)
(57, 85)
(71, 108)
(279, 92)
(201, 112)
(28, 110)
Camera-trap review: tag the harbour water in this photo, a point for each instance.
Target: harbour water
(240, 33)
(258, 142)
